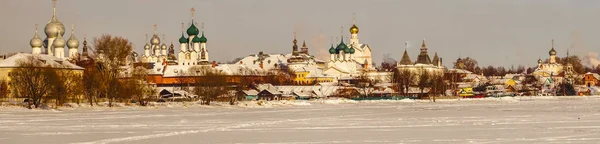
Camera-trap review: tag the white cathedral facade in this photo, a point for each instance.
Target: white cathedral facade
(192, 49)
(349, 59)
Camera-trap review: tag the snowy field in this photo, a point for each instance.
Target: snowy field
(492, 120)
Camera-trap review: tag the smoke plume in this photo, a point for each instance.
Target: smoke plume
(592, 59)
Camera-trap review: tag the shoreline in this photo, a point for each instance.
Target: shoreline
(281, 103)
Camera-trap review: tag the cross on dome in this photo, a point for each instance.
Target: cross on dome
(192, 11)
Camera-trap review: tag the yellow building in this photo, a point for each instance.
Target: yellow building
(11, 63)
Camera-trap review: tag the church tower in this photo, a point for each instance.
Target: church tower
(304, 49)
(405, 58)
(354, 32)
(552, 54)
(203, 51)
(73, 44)
(36, 43)
(53, 29)
(423, 56)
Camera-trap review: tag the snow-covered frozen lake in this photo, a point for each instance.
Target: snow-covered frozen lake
(503, 120)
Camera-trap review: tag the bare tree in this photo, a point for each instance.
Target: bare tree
(437, 84)
(3, 89)
(208, 84)
(403, 78)
(111, 53)
(30, 80)
(91, 83)
(424, 80)
(66, 84)
(140, 90)
(469, 64)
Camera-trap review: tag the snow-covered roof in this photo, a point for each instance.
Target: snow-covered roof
(462, 71)
(250, 92)
(47, 60)
(595, 75)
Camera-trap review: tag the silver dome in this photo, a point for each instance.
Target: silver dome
(155, 40)
(163, 47)
(59, 42)
(36, 41)
(73, 42)
(54, 27)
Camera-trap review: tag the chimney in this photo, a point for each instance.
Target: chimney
(214, 64)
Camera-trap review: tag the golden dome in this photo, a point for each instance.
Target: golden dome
(354, 29)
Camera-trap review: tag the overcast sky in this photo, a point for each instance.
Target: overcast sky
(494, 32)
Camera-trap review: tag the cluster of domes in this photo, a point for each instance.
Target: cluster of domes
(193, 31)
(342, 47)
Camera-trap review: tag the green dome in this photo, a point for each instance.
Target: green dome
(347, 50)
(352, 50)
(341, 46)
(196, 39)
(331, 50)
(193, 30)
(183, 39)
(203, 39)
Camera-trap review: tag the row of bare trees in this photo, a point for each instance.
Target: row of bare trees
(103, 78)
(40, 83)
(421, 78)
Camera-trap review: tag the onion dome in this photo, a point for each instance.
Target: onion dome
(193, 30)
(196, 39)
(347, 50)
(332, 50)
(54, 27)
(183, 39)
(352, 50)
(59, 42)
(354, 29)
(552, 52)
(134, 54)
(73, 42)
(341, 46)
(155, 40)
(36, 41)
(147, 46)
(203, 39)
(539, 61)
(163, 47)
